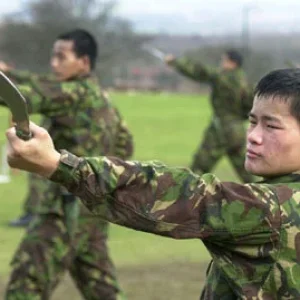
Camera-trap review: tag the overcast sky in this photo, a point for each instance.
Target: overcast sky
(202, 16)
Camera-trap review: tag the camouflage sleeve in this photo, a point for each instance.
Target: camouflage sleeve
(124, 140)
(168, 201)
(45, 95)
(17, 77)
(196, 71)
(26, 77)
(20, 77)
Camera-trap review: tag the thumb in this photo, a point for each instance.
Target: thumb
(37, 131)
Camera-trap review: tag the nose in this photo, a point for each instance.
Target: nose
(255, 134)
(53, 63)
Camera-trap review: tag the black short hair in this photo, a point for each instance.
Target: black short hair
(235, 56)
(284, 85)
(84, 44)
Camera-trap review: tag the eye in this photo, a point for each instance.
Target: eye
(252, 121)
(273, 127)
(58, 56)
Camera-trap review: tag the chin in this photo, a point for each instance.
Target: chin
(254, 170)
(261, 172)
(58, 76)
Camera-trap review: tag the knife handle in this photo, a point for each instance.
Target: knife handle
(22, 131)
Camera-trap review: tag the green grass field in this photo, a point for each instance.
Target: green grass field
(168, 128)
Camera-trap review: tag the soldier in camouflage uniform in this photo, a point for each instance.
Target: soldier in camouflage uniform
(225, 134)
(252, 231)
(84, 121)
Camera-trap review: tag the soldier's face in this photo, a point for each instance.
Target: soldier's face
(65, 64)
(273, 139)
(227, 64)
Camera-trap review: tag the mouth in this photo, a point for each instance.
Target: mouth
(57, 74)
(252, 154)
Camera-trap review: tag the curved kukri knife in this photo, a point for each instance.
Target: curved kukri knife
(17, 105)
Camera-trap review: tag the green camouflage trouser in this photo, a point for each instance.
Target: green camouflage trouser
(219, 140)
(47, 251)
(218, 288)
(35, 193)
(36, 184)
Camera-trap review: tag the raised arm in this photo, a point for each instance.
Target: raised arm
(45, 95)
(155, 198)
(25, 77)
(193, 70)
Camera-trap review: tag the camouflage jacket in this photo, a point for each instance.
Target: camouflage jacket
(250, 230)
(80, 118)
(231, 96)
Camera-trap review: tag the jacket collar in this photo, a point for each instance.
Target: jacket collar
(287, 178)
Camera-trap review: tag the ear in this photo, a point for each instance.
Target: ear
(236, 65)
(86, 61)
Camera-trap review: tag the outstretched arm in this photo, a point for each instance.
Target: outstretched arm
(193, 70)
(49, 97)
(45, 95)
(152, 197)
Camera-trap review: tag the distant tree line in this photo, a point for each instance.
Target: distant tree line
(26, 39)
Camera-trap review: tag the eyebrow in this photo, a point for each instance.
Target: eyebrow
(265, 117)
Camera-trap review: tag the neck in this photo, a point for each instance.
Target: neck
(79, 76)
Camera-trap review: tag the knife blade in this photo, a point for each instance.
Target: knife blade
(17, 104)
